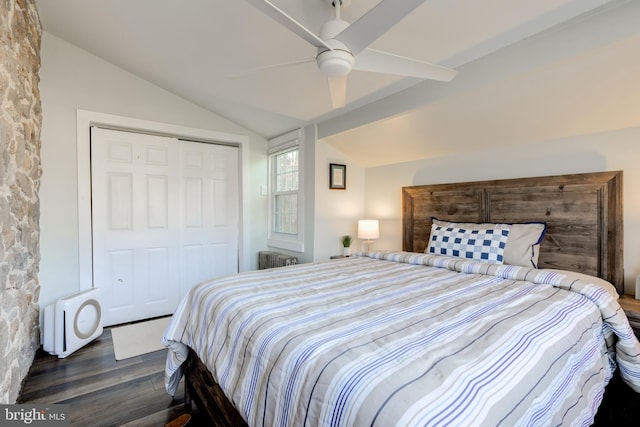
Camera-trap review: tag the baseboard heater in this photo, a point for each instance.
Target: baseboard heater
(269, 259)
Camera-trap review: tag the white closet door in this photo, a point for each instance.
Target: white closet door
(209, 212)
(135, 224)
(165, 216)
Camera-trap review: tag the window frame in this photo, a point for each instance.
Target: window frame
(275, 146)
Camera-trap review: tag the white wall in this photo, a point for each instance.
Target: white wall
(73, 79)
(336, 211)
(606, 151)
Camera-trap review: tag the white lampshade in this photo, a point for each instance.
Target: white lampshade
(368, 229)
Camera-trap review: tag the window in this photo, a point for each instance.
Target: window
(285, 192)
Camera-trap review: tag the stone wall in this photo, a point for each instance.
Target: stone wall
(20, 170)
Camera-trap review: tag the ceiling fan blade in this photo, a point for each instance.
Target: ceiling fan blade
(378, 61)
(338, 90)
(375, 23)
(256, 70)
(280, 16)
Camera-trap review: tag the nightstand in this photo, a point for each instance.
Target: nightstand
(631, 307)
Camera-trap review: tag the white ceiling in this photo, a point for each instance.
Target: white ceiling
(191, 47)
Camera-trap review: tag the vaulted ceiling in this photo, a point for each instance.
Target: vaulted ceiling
(202, 49)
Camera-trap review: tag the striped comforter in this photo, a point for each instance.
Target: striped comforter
(406, 339)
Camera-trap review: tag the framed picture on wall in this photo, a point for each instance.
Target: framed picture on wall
(337, 176)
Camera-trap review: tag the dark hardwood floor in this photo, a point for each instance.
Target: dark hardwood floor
(101, 391)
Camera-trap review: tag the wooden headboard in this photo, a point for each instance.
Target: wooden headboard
(583, 213)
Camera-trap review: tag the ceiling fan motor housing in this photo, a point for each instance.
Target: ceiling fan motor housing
(339, 61)
(334, 63)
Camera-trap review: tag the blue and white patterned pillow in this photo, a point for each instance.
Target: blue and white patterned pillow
(486, 245)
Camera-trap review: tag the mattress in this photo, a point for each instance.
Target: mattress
(400, 338)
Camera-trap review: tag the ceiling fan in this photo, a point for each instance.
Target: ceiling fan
(342, 47)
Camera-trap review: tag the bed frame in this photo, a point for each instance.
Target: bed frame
(584, 233)
(207, 395)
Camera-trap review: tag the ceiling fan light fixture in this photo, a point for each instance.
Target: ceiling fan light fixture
(334, 63)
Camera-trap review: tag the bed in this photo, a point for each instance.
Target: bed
(421, 337)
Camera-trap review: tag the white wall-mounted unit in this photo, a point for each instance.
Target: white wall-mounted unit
(72, 322)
